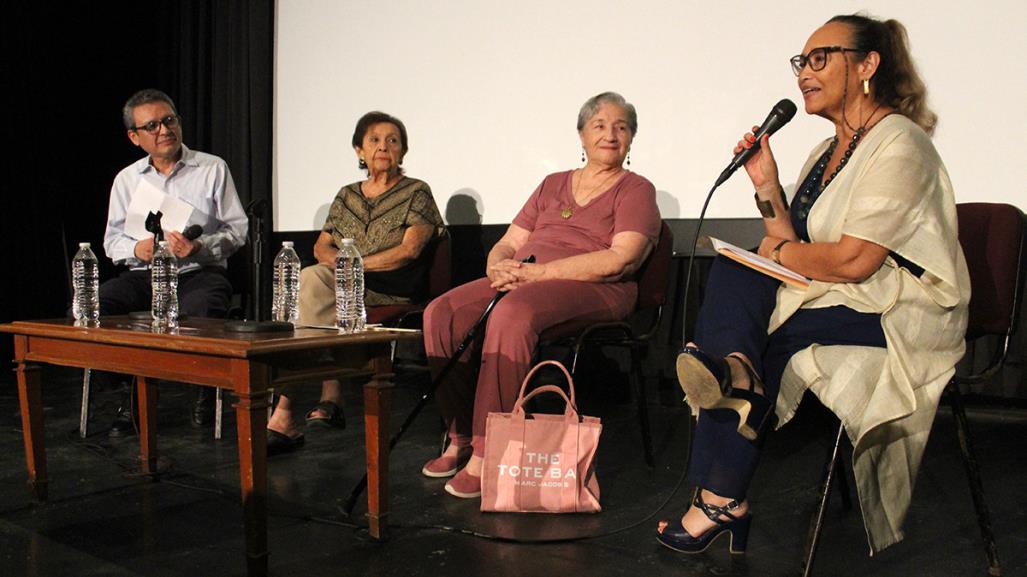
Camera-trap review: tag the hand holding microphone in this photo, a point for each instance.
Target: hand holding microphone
(765, 167)
(781, 114)
(181, 243)
(761, 165)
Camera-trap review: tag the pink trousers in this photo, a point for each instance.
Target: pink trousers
(511, 334)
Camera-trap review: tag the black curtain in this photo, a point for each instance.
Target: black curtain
(224, 73)
(67, 70)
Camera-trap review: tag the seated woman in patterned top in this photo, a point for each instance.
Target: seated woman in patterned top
(392, 218)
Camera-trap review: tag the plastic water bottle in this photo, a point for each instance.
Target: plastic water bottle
(350, 315)
(85, 279)
(286, 285)
(164, 285)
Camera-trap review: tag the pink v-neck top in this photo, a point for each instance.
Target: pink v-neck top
(561, 228)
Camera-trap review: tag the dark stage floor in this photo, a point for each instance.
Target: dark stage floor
(104, 519)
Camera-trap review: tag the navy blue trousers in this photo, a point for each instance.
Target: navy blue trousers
(201, 293)
(734, 318)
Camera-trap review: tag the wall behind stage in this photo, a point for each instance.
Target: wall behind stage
(490, 92)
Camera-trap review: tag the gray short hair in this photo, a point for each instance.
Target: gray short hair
(145, 96)
(591, 107)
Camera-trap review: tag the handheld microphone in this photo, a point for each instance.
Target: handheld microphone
(782, 113)
(192, 232)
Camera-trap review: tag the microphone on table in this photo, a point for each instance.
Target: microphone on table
(782, 113)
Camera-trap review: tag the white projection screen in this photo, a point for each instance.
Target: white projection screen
(490, 90)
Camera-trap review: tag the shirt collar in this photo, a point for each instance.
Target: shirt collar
(188, 159)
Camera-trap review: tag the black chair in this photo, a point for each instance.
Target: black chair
(992, 237)
(440, 278)
(652, 295)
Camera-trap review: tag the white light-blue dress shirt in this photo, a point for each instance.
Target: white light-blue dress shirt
(204, 182)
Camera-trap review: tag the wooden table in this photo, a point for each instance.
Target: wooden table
(203, 353)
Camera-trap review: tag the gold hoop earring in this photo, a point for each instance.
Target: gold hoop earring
(866, 87)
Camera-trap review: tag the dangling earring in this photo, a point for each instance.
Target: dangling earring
(866, 87)
(629, 159)
(582, 155)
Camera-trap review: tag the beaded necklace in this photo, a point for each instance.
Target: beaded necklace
(814, 187)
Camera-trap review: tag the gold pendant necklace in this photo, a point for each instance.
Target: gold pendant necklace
(568, 211)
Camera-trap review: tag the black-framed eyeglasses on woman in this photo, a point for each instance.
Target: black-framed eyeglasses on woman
(170, 121)
(817, 58)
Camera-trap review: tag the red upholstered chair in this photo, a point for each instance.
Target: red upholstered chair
(992, 237)
(652, 295)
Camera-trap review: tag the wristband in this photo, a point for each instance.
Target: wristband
(775, 255)
(765, 207)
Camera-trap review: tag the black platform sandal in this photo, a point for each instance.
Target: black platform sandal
(333, 416)
(674, 536)
(706, 381)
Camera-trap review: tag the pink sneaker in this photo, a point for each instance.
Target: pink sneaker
(464, 485)
(444, 466)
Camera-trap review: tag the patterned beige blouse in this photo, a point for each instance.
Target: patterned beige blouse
(378, 224)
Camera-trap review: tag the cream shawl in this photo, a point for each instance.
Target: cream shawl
(895, 192)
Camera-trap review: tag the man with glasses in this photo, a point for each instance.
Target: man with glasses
(203, 182)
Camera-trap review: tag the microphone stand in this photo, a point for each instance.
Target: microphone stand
(255, 324)
(256, 257)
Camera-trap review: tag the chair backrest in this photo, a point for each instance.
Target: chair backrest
(440, 267)
(992, 237)
(652, 277)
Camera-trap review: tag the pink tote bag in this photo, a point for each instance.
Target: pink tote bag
(541, 463)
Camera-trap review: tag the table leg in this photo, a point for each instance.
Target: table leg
(251, 418)
(146, 394)
(377, 406)
(31, 400)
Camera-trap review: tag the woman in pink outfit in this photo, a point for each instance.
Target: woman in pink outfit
(589, 230)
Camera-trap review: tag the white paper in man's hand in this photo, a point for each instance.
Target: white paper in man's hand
(148, 198)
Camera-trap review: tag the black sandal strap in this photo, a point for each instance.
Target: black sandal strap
(713, 512)
(329, 408)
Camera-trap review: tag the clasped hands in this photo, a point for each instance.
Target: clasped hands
(180, 246)
(509, 274)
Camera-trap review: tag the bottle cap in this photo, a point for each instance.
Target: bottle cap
(347, 241)
(83, 245)
(287, 243)
(162, 243)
